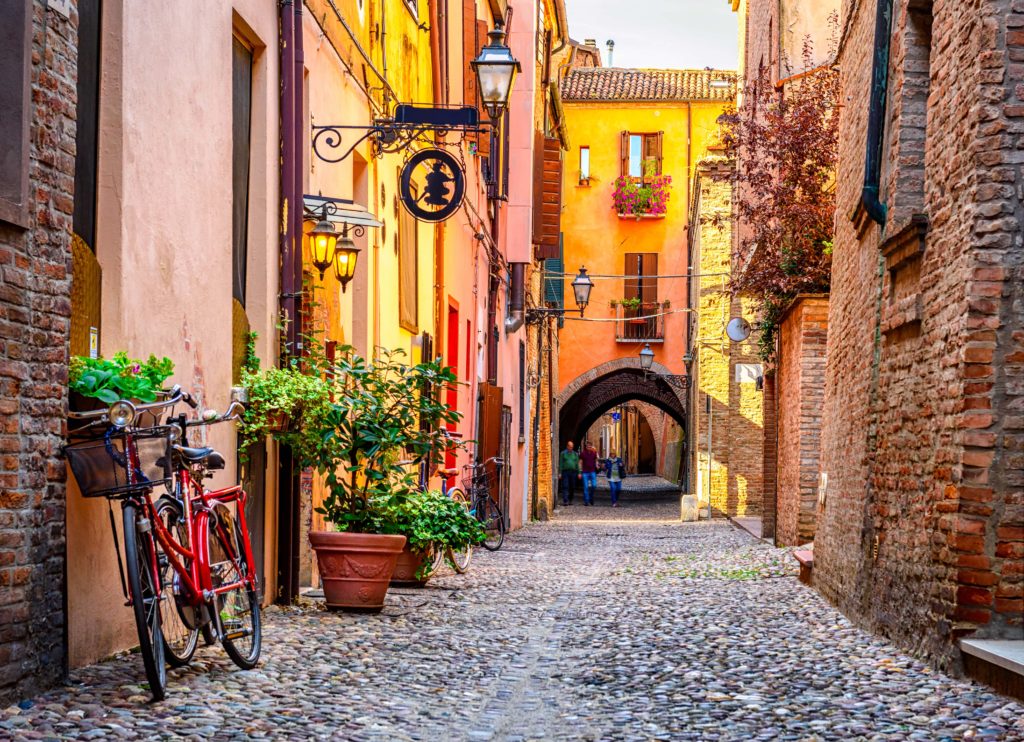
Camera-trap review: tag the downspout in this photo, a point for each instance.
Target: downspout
(287, 298)
(876, 114)
(298, 135)
(560, 17)
(517, 298)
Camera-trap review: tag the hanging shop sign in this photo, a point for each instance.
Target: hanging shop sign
(442, 185)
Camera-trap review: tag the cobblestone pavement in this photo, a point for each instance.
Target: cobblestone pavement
(601, 624)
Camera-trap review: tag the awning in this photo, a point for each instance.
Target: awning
(340, 211)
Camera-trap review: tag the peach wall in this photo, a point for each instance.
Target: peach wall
(163, 237)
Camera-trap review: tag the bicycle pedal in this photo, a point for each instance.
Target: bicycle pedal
(237, 634)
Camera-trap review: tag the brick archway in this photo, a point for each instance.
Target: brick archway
(592, 394)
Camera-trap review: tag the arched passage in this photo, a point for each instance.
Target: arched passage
(588, 397)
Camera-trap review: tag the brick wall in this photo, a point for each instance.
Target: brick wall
(921, 534)
(34, 325)
(799, 383)
(736, 416)
(542, 365)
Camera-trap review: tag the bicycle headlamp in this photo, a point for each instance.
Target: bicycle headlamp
(121, 414)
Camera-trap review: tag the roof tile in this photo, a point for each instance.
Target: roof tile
(619, 84)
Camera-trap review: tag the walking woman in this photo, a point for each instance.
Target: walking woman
(615, 468)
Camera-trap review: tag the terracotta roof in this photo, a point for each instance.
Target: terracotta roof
(613, 83)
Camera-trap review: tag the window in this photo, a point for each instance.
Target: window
(584, 165)
(642, 284)
(641, 154)
(241, 120)
(408, 270)
(87, 121)
(15, 108)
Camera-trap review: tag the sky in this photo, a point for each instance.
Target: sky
(658, 33)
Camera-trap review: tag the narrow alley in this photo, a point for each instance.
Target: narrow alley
(600, 624)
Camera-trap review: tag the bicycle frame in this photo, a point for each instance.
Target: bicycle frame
(197, 511)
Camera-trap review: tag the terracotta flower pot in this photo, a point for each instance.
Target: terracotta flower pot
(410, 564)
(355, 568)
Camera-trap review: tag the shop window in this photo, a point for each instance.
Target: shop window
(241, 129)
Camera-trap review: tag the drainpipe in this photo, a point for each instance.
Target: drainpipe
(287, 298)
(876, 114)
(516, 301)
(298, 163)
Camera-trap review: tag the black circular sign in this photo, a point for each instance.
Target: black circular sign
(444, 185)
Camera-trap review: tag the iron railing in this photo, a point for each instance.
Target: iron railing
(641, 324)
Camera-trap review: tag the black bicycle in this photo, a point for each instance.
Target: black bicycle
(482, 503)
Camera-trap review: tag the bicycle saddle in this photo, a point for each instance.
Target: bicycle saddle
(448, 472)
(205, 456)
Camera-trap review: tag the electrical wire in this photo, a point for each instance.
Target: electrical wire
(620, 319)
(552, 275)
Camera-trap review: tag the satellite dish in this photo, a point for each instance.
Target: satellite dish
(738, 329)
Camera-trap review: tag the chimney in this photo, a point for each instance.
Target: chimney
(611, 48)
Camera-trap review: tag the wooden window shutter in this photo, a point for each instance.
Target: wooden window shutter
(659, 153)
(550, 204)
(634, 267)
(469, 52)
(649, 281)
(624, 154)
(538, 187)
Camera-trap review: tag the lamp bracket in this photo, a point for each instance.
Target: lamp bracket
(674, 381)
(409, 124)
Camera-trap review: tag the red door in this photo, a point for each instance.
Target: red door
(453, 391)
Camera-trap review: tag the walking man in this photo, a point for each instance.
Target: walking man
(615, 467)
(569, 469)
(588, 466)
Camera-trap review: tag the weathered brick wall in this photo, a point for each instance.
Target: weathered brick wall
(736, 418)
(800, 384)
(922, 519)
(35, 307)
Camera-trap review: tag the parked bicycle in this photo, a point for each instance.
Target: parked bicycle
(188, 566)
(482, 502)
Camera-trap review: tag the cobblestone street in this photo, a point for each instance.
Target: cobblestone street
(602, 624)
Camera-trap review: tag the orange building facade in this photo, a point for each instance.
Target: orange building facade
(633, 130)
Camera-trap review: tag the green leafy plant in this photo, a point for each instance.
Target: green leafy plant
(387, 419)
(292, 402)
(432, 520)
(119, 377)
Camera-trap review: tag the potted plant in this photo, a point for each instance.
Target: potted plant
(431, 522)
(95, 383)
(386, 419)
(290, 403)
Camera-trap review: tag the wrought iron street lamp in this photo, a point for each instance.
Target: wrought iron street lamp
(345, 256)
(496, 71)
(676, 381)
(323, 240)
(646, 357)
(581, 286)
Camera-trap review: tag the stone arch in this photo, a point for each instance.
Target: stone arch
(595, 392)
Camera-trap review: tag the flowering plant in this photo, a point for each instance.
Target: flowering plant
(650, 197)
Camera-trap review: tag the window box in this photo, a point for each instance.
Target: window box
(638, 217)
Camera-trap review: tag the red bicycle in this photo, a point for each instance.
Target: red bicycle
(188, 564)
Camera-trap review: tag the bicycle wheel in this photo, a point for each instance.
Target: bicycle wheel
(141, 566)
(460, 559)
(179, 618)
(238, 608)
(494, 523)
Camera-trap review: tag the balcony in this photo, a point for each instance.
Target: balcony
(635, 324)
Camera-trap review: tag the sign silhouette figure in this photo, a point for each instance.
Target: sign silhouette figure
(444, 185)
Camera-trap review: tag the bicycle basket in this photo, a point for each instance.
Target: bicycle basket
(100, 466)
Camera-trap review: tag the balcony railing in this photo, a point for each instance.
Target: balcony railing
(641, 324)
